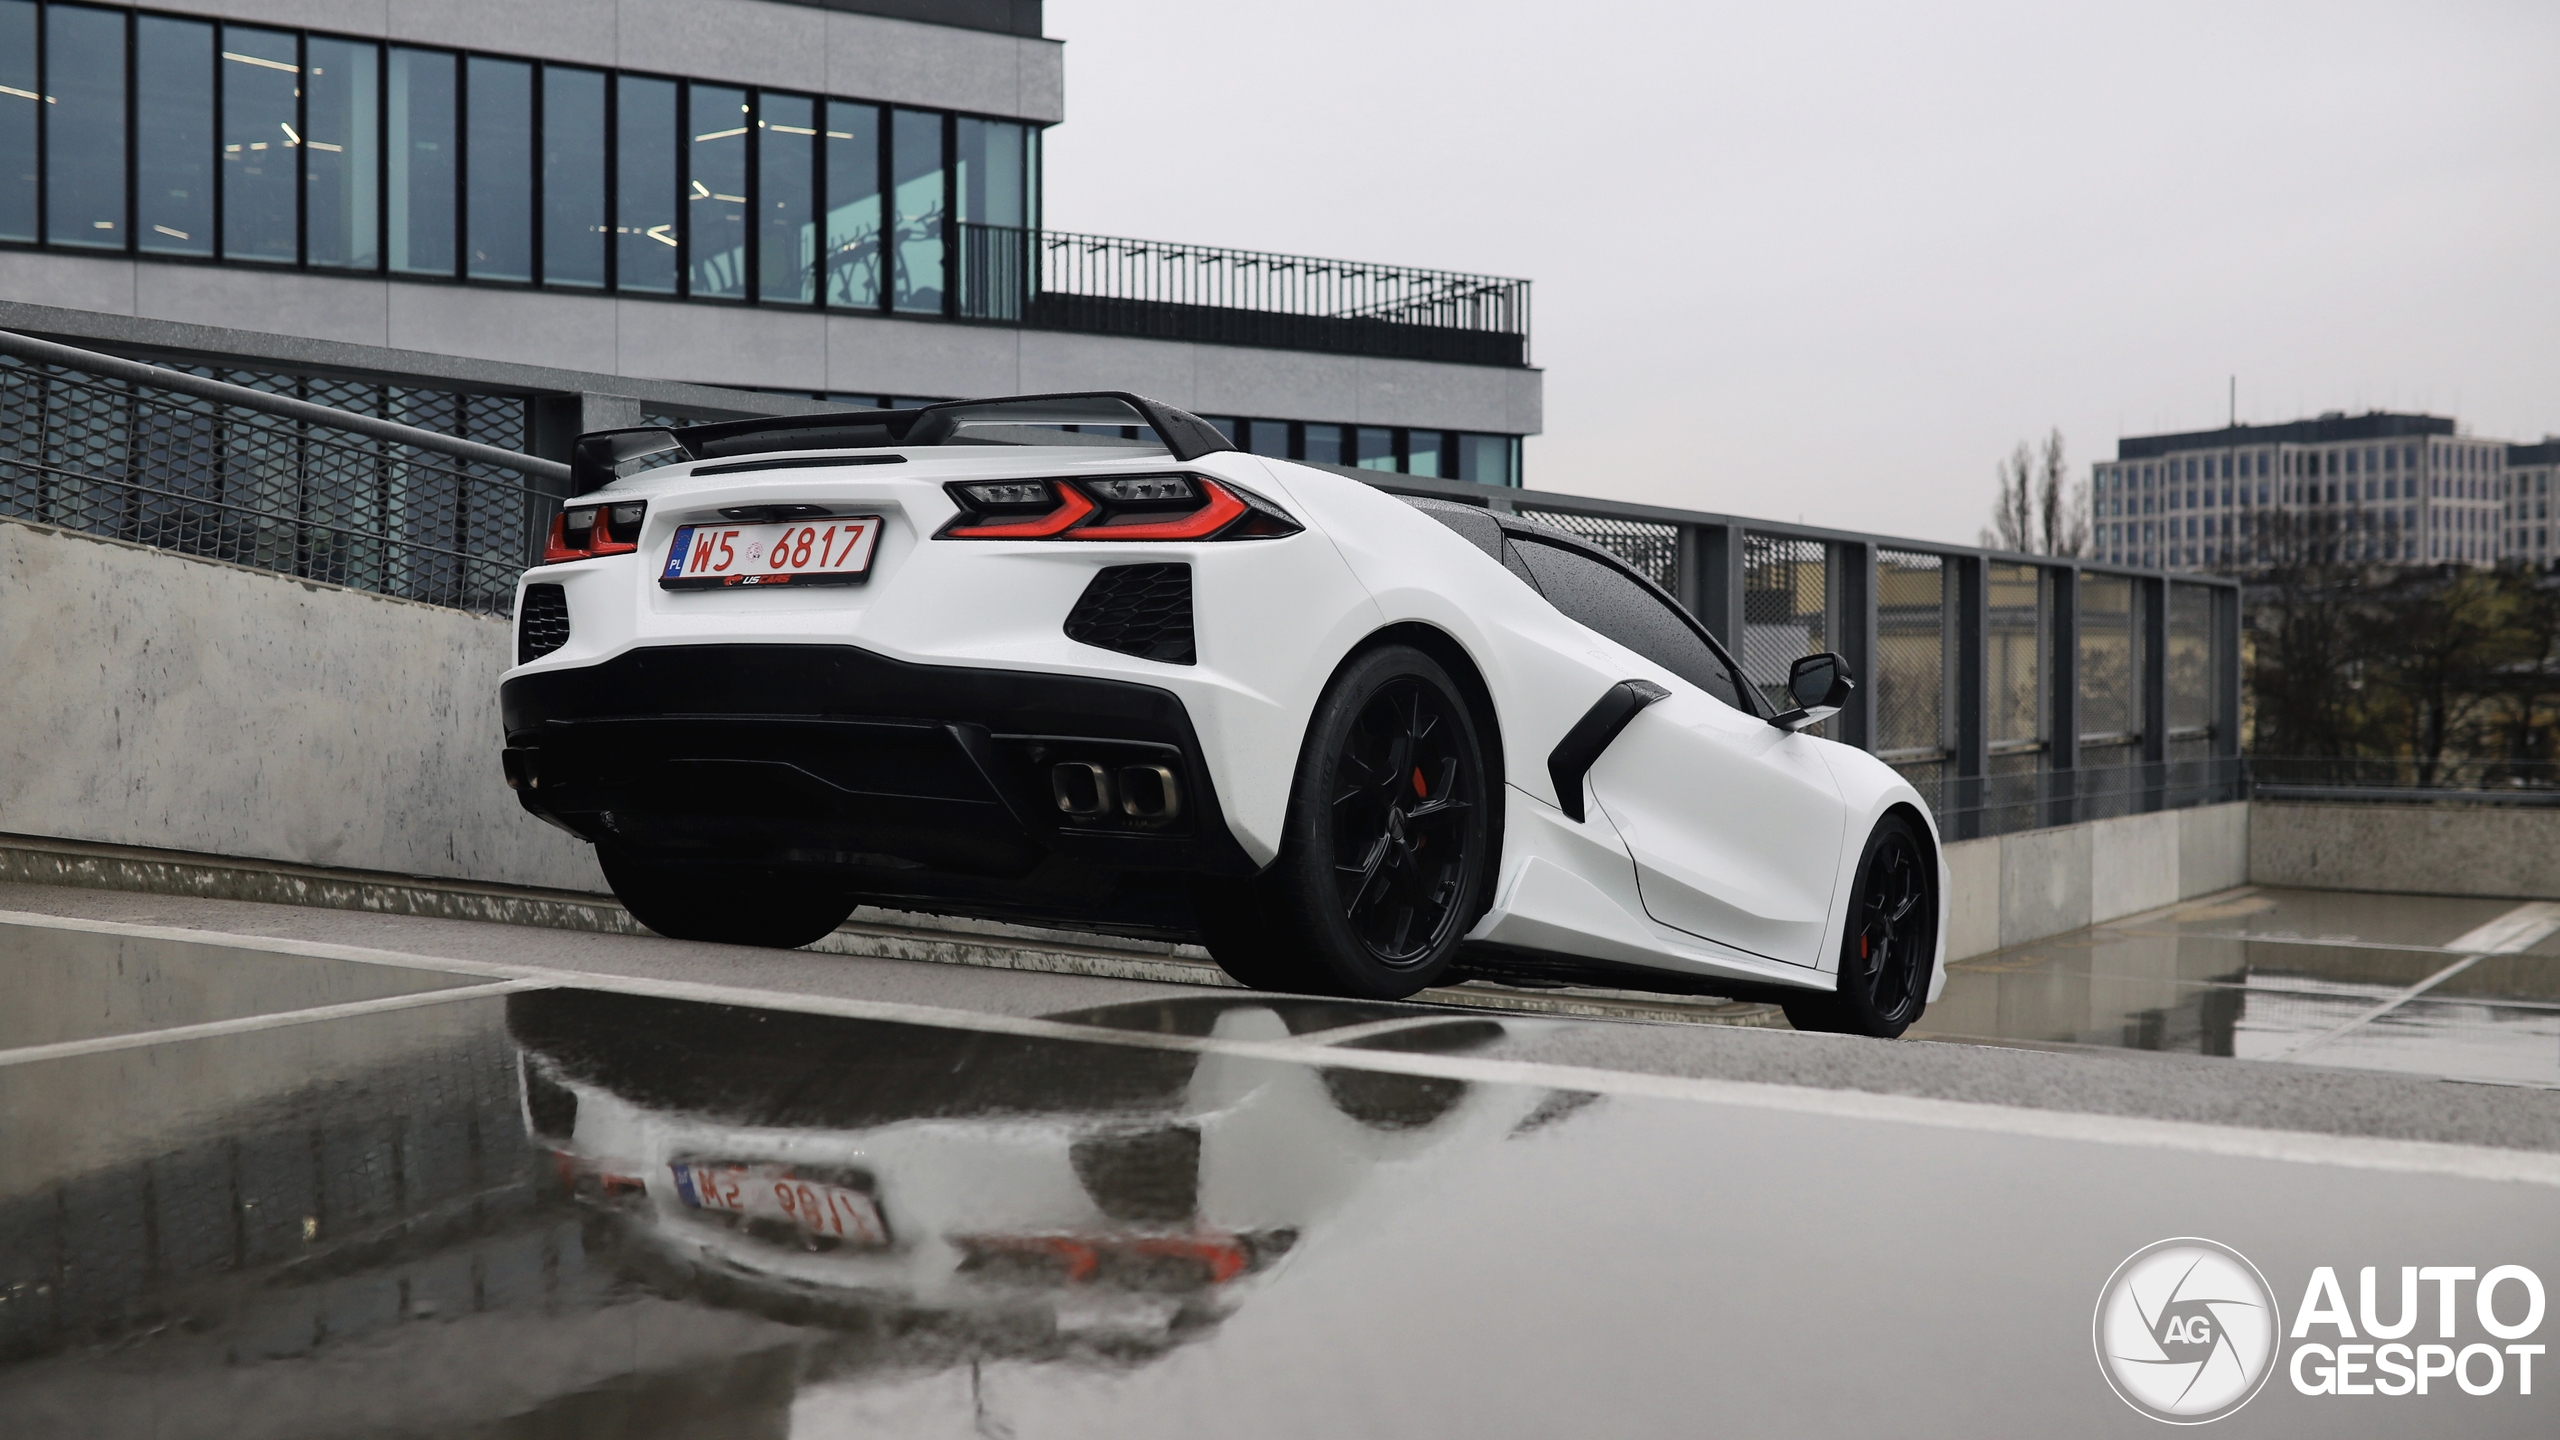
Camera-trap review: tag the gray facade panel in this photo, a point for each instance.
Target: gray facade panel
(514, 326)
(868, 355)
(874, 59)
(317, 307)
(582, 31)
(743, 42)
(717, 345)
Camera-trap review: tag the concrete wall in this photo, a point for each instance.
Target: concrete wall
(2488, 850)
(2012, 889)
(148, 698)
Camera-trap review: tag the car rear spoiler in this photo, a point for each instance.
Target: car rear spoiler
(604, 456)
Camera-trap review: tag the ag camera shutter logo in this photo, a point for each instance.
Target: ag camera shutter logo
(2186, 1330)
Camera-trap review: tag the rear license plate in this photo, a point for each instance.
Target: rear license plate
(773, 1193)
(833, 551)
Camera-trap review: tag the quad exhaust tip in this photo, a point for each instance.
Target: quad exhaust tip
(1148, 794)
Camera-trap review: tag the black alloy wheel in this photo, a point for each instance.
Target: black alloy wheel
(1383, 867)
(727, 904)
(1891, 943)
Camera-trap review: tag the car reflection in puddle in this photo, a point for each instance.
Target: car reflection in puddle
(1014, 1196)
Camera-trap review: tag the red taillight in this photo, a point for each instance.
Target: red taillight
(583, 532)
(1200, 524)
(1146, 507)
(1072, 507)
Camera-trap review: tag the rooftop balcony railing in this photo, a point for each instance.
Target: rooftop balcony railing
(1107, 285)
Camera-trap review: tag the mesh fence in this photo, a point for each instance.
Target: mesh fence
(2110, 661)
(1786, 611)
(1654, 550)
(1911, 659)
(2190, 658)
(158, 468)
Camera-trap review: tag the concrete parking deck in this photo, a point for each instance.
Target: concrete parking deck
(282, 1170)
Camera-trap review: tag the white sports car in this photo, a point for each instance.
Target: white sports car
(1077, 660)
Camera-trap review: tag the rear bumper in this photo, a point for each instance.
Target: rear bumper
(833, 756)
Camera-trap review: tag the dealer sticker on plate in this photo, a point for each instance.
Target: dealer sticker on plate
(832, 551)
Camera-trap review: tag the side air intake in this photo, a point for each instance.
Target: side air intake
(544, 625)
(1141, 610)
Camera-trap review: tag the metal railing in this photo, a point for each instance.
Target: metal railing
(418, 493)
(1058, 280)
(2406, 779)
(2013, 691)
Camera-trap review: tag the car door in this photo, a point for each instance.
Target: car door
(1734, 825)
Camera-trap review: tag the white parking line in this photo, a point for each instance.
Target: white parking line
(2516, 930)
(2414, 1157)
(246, 1024)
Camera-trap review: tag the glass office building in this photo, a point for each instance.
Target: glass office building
(887, 183)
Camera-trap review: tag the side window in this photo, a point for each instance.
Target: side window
(1609, 602)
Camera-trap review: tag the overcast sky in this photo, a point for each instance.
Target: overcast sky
(1834, 260)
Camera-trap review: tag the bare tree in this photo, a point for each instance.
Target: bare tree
(2066, 511)
(2038, 511)
(2013, 512)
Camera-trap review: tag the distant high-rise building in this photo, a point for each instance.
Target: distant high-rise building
(2377, 488)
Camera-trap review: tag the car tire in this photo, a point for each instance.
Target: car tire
(1385, 861)
(726, 904)
(1890, 943)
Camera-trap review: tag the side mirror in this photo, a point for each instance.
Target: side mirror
(1820, 685)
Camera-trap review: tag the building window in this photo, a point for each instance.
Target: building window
(854, 253)
(715, 211)
(498, 158)
(18, 94)
(172, 136)
(261, 88)
(342, 113)
(916, 193)
(1489, 459)
(787, 201)
(645, 243)
(1323, 445)
(574, 221)
(419, 161)
(1376, 448)
(84, 127)
(1422, 452)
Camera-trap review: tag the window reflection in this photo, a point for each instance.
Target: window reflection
(1377, 449)
(261, 148)
(84, 127)
(916, 164)
(173, 135)
(853, 204)
(419, 158)
(716, 191)
(498, 161)
(787, 173)
(645, 185)
(1422, 452)
(342, 186)
(17, 120)
(1324, 445)
(574, 224)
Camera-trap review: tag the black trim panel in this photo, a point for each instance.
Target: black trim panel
(1583, 745)
(813, 751)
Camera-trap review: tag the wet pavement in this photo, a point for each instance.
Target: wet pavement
(2422, 985)
(287, 1173)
